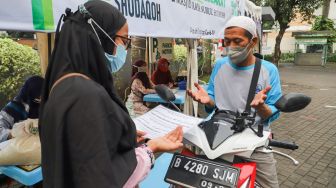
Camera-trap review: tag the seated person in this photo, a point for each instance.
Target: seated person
(162, 74)
(25, 105)
(140, 86)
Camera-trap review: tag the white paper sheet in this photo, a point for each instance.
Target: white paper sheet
(161, 120)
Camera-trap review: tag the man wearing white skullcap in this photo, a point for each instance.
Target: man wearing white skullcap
(243, 22)
(230, 82)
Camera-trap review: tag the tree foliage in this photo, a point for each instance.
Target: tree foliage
(288, 10)
(17, 62)
(323, 24)
(267, 25)
(179, 61)
(257, 2)
(18, 34)
(285, 12)
(180, 54)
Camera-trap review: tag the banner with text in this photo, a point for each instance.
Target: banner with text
(154, 18)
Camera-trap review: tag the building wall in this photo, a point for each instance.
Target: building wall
(287, 43)
(308, 59)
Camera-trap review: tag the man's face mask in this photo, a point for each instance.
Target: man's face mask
(238, 54)
(117, 61)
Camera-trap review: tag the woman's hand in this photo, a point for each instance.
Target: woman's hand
(170, 142)
(140, 135)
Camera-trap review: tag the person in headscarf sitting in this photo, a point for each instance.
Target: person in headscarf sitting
(162, 74)
(25, 105)
(140, 86)
(88, 139)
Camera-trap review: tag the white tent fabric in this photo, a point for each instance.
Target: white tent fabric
(150, 18)
(253, 10)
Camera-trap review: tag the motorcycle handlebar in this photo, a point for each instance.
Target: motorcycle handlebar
(285, 145)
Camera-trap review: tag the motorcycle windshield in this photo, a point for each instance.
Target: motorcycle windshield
(218, 132)
(224, 131)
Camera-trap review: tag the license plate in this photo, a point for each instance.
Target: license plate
(197, 172)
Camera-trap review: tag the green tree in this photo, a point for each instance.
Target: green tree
(285, 12)
(257, 2)
(18, 34)
(323, 24)
(17, 62)
(267, 25)
(206, 56)
(180, 54)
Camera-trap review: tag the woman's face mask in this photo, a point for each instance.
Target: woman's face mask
(238, 54)
(141, 69)
(117, 61)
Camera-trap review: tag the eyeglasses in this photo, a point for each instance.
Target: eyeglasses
(126, 40)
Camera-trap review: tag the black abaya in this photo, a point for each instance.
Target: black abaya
(84, 142)
(87, 136)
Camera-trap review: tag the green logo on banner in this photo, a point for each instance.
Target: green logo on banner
(43, 18)
(220, 3)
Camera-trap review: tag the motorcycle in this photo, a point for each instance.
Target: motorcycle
(213, 159)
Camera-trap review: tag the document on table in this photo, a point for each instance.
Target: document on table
(161, 120)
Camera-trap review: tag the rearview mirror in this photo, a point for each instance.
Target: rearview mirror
(292, 102)
(164, 93)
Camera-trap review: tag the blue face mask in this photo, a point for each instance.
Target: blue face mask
(115, 62)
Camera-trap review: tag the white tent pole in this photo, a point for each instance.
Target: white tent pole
(190, 106)
(146, 53)
(150, 54)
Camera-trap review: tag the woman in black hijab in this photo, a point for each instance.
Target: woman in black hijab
(87, 136)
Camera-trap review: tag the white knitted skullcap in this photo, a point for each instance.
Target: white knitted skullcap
(243, 22)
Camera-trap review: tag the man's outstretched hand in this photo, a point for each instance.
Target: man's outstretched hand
(200, 95)
(259, 98)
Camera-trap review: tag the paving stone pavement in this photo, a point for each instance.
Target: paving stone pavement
(313, 128)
